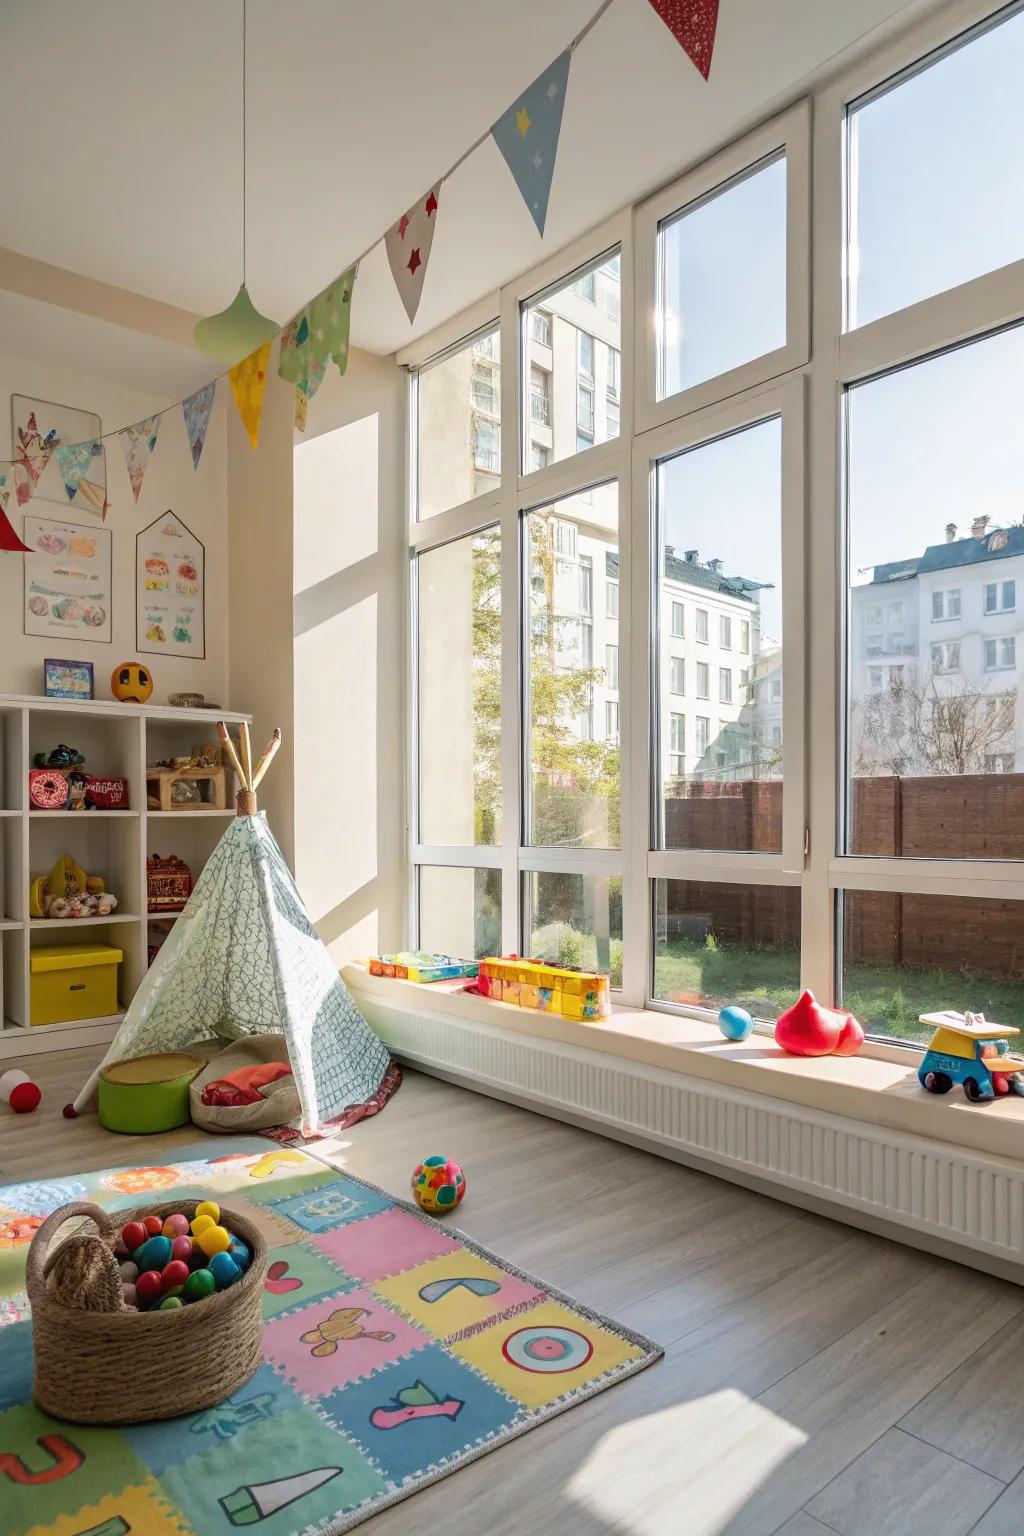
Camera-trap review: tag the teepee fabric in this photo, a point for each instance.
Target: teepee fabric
(244, 958)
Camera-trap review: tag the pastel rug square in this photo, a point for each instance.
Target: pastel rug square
(294, 1472)
(167, 1442)
(420, 1412)
(318, 1210)
(133, 1186)
(16, 1375)
(15, 1235)
(384, 1244)
(304, 1277)
(87, 1464)
(456, 1291)
(355, 1333)
(140, 1508)
(540, 1355)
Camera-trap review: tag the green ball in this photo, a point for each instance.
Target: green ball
(170, 1304)
(199, 1284)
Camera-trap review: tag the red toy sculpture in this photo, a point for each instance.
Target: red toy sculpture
(808, 1029)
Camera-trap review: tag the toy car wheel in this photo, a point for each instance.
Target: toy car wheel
(937, 1082)
(972, 1088)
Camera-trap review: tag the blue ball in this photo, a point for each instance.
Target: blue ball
(239, 1251)
(224, 1270)
(735, 1023)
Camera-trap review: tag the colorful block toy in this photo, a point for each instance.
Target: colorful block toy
(549, 988)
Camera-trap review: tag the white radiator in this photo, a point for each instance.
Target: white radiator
(946, 1197)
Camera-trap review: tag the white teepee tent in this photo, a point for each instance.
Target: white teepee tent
(244, 958)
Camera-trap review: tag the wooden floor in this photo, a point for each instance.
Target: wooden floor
(816, 1379)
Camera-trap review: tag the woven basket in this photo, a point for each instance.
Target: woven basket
(121, 1367)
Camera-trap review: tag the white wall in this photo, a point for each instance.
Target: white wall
(349, 658)
(198, 496)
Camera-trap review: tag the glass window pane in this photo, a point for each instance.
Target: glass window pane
(576, 920)
(716, 944)
(459, 673)
(722, 280)
(904, 955)
(725, 791)
(572, 551)
(460, 911)
(935, 465)
(571, 342)
(936, 168)
(458, 426)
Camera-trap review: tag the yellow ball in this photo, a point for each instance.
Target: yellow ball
(208, 1208)
(213, 1240)
(200, 1224)
(131, 683)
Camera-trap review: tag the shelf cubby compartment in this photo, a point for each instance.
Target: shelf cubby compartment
(168, 739)
(12, 761)
(124, 933)
(111, 744)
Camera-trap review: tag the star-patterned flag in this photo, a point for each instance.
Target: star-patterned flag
(196, 411)
(139, 440)
(408, 246)
(9, 541)
(73, 459)
(693, 24)
(527, 135)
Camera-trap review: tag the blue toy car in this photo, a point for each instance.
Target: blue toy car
(965, 1049)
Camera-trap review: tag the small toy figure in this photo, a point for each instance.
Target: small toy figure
(131, 683)
(966, 1049)
(62, 756)
(438, 1184)
(67, 891)
(19, 1092)
(808, 1029)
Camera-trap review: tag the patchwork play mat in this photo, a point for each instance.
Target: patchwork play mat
(396, 1350)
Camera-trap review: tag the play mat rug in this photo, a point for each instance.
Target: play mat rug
(396, 1350)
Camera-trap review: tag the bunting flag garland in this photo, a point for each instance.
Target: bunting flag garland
(34, 453)
(408, 246)
(9, 541)
(248, 380)
(196, 411)
(527, 135)
(330, 315)
(139, 440)
(693, 24)
(73, 459)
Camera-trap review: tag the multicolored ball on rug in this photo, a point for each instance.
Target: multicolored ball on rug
(438, 1185)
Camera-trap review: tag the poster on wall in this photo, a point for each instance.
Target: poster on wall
(59, 455)
(170, 598)
(67, 580)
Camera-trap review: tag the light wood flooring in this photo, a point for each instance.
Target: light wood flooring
(816, 1379)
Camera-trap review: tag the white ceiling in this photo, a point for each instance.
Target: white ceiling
(122, 125)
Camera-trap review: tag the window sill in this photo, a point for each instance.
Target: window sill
(867, 1088)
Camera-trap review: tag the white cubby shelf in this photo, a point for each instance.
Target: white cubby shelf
(117, 739)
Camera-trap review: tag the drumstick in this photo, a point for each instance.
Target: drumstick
(267, 758)
(243, 733)
(222, 732)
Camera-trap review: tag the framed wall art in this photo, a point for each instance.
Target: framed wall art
(67, 679)
(67, 580)
(170, 589)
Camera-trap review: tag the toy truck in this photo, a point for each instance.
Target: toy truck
(966, 1049)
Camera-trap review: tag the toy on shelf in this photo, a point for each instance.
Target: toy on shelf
(808, 1029)
(19, 1092)
(168, 883)
(968, 1050)
(67, 891)
(176, 784)
(62, 756)
(420, 965)
(58, 782)
(550, 988)
(735, 1022)
(438, 1184)
(131, 683)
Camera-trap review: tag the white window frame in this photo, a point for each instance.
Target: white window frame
(788, 133)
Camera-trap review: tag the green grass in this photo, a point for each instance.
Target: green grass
(887, 1000)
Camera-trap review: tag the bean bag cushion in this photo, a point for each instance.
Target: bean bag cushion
(281, 1105)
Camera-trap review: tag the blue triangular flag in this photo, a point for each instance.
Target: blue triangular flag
(527, 135)
(196, 410)
(73, 459)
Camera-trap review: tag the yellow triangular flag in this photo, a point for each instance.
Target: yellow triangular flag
(248, 380)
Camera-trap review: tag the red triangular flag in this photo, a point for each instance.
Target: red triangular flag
(692, 24)
(9, 541)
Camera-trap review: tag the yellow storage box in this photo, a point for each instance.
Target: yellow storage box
(73, 981)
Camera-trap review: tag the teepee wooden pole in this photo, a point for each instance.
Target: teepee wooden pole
(268, 757)
(246, 754)
(229, 746)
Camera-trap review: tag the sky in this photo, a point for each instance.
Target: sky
(937, 198)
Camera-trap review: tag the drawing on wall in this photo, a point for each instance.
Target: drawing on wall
(67, 579)
(58, 454)
(170, 579)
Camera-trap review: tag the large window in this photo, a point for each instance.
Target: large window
(729, 704)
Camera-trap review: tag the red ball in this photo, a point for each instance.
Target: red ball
(153, 1225)
(133, 1235)
(149, 1286)
(181, 1248)
(174, 1273)
(24, 1098)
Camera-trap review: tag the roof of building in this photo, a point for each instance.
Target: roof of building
(690, 573)
(997, 544)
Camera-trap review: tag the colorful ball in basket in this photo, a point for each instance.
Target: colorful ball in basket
(438, 1184)
(735, 1022)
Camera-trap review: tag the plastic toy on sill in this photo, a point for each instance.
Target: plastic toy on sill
(966, 1049)
(808, 1029)
(549, 988)
(419, 965)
